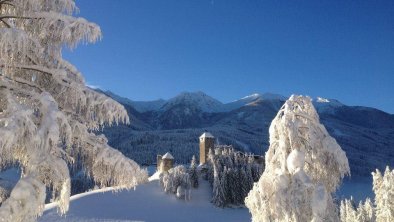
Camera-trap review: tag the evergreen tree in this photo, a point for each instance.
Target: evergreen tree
(218, 198)
(245, 185)
(193, 173)
(383, 186)
(225, 184)
(369, 210)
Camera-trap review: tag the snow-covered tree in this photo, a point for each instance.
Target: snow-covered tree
(176, 181)
(218, 196)
(348, 213)
(193, 172)
(364, 212)
(382, 210)
(47, 114)
(234, 175)
(303, 167)
(383, 186)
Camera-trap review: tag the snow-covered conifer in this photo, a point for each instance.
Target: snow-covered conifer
(348, 212)
(193, 172)
(47, 114)
(218, 195)
(383, 186)
(303, 167)
(369, 210)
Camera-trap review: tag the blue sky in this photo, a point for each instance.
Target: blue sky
(232, 48)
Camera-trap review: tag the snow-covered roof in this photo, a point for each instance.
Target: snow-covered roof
(168, 156)
(206, 135)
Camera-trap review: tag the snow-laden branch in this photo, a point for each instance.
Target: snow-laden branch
(47, 113)
(26, 202)
(59, 6)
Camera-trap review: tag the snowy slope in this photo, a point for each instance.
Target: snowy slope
(324, 105)
(147, 203)
(252, 99)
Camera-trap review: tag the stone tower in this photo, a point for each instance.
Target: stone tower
(167, 162)
(207, 141)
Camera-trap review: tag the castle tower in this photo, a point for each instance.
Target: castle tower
(207, 141)
(167, 162)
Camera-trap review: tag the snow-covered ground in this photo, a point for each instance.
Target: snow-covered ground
(147, 203)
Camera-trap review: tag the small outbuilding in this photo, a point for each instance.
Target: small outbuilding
(164, 163)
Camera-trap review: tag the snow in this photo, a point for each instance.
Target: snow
(155, 176)
(247, 100)
(168, 156)
(206, 135)
(322, 100)
(295, 160)
(324, 105)
(147, 203)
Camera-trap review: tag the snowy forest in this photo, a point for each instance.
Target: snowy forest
(51, 122)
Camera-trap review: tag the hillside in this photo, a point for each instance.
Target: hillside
(366, 134)
(141, 205)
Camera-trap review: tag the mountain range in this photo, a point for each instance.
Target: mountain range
(366, 134)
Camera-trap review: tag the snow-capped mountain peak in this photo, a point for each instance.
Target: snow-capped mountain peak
(326, 105)
(199, 100)
(248, 100)
(322, 100)
(253, 96)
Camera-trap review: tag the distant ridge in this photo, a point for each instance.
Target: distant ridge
(366, 134)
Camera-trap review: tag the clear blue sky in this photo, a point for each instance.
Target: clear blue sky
(231, 48)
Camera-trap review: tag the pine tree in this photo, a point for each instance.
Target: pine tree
(193, 173)
(304, 166)
(218, 198)
(225, 184)
(383, 187)
(369, 210)
(47, 114)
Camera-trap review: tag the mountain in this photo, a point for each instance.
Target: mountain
(197, 100)
(366, 134)
(249, 100)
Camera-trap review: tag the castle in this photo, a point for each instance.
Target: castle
(207, 142)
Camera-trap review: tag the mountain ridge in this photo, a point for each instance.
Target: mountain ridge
(366, 134)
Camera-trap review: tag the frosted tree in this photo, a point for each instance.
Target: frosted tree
(218, 195)
(177, 181)
(382, 210)
(383, 186)
(348, 213)
(363, 213)
(303, 167)
(47, 114)
(193, 172)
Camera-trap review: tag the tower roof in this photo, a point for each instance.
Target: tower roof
(168, 156)
(207, 135)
